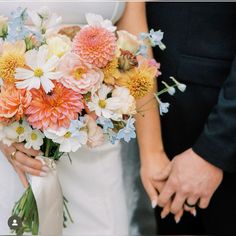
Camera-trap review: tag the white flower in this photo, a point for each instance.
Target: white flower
(127, 41)
(44, 20)
(128, 103)
(40, 72)
(103, 105)
(34, 139)
(15, 132)
(97, 20)
(58, 45)
(70, 140)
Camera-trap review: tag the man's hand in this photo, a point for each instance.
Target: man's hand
(189, 178)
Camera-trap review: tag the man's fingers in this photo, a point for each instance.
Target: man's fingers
(166, 194)
(166, 210)
(192, 200)
(204, 202)
(163, 175)
(27, 161)
(30, 152)
(178, 216)
(177, 203)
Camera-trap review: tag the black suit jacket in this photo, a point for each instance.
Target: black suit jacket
(201, 49)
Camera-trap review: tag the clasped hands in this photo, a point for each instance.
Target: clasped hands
(186, 182)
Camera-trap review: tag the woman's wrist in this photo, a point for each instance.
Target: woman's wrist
(150, 157)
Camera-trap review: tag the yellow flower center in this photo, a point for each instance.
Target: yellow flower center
(79, 72)
(102, 103)
(67, 135)
(34, 136)
(8, 64)
(20, 130)
(38, 72)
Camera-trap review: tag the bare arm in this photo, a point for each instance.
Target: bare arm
(148, 123)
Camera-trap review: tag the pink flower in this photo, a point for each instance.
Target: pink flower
(79, 76)
(153, 62)
(54, 110)
(95, 45)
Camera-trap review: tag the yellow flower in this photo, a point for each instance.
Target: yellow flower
(11, 58)
(139, 81)
(58, 45)
(111, 72)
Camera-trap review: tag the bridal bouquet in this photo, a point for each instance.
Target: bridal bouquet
(65, 88)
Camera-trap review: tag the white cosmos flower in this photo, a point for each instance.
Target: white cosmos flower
(97, 20)
(105, 106)
(15, 132)
(34, 139)
(40, 72)
(44, 20)
(70, 141)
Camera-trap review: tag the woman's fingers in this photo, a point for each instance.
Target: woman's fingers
(26, 161)
(30, 170)
(22, 177)
(29, 152)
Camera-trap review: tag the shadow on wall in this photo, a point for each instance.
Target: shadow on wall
(141, 213)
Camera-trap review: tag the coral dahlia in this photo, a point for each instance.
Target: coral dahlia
(54, 110)
(13, 103)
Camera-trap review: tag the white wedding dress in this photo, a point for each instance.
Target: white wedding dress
(93, 183)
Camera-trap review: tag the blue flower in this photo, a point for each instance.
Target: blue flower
(16, 28)
(154, 37)
(128, 132)
(143, 49)
(111, 136)
(105, 123)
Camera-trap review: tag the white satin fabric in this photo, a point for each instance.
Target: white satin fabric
(93, 183)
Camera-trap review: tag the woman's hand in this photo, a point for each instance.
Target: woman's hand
(152, 165)
(22, 161)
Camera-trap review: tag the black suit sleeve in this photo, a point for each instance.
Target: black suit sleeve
(217, 143)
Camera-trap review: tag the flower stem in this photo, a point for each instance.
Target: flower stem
(48, 145)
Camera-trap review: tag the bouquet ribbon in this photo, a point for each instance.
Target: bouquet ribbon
(49, 198)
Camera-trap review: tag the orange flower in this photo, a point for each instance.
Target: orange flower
(139, 80)
(13, 103)
(54, 110)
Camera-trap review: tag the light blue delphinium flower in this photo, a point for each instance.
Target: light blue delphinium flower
(163, 106)
(128, 132)
(105, 123)
(143, 50)
(16, 28)
(154, 37)
(170, 89)
(180, 86)
(111, 136)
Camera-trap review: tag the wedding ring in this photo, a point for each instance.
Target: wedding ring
(13, 155)
(190, 205)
